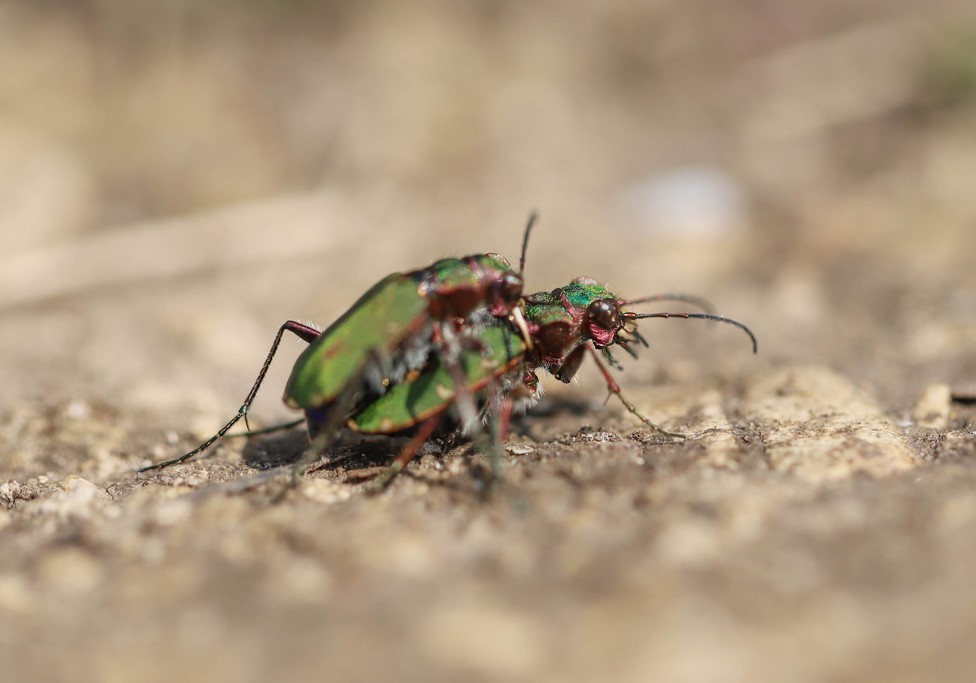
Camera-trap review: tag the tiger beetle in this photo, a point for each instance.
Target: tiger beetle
(458, 334)
(583, 317)
(390, 332)
(491, 370)
(565, 325)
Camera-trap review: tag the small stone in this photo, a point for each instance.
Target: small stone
(78, 410)
(9, 492)
(77, 498)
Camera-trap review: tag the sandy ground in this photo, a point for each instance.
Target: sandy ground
(180, 183)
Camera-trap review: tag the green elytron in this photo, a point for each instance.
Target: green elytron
(564, 324)
(455, 335)
(498, 359)
(389, 332)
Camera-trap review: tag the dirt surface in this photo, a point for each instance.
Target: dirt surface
(181, 181)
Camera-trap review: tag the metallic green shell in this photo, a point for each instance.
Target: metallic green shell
(455, 273)
(545, 308)
(378, 325)
(381, 319)
(432, 392)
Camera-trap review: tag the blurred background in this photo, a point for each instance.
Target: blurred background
(178, 178)
(215, 168)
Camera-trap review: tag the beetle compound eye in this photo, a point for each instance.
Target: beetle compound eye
(505, 294)
(605, 313)
(510, 288)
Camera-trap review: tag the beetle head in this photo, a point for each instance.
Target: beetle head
(505, 294)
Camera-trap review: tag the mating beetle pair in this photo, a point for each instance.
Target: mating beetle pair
(459, 334)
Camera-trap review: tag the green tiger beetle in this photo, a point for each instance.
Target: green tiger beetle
(584, 317)
(565, 325)
(493, 371)
(457, 334)
(390, 332)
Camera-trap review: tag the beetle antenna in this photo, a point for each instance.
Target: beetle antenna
(699, 316)
(525, 241)
(698, 301)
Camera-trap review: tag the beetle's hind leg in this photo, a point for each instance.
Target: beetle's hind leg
(499, 420)
(304, 332)
(324, 427)
(406, 455)
(485, 425)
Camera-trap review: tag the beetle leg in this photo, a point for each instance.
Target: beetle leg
(469, 415)
(323, 435)
(305, 332)
(504, 419)
(464, 401)
(614, 363)
(406, 455)
(614, 388)
(500, 416)
(518, 319)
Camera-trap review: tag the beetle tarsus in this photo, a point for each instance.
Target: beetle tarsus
(301, 330)
(381, 482)
(614, 388)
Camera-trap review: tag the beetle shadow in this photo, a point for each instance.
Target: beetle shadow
(550, 408)
(350, 451)
(275, 450)
(353, 452)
